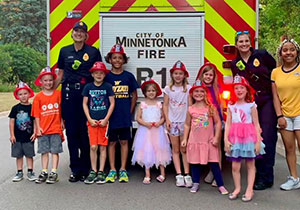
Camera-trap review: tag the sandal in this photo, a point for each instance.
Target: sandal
(160, 178)
(147, 180)
(233, 196)
(247, 199)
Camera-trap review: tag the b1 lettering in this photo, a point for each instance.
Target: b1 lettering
(143, 73)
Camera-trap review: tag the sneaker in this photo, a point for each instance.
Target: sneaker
(223, 190)
(194, 188)
(18, 177)
(90, 179)
(291, 184)
(31, 176)
(180, 181)
(214, 183)
(42, 177)
(111, 177)
(100, 177)
(123, 176)
(188, 181)
(53, 178)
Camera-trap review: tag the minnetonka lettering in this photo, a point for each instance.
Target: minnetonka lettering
(151, 42)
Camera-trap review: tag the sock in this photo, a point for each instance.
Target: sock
(45, 170)
(54, 170)
(179, 174)
(186, 174)
(20, 171)
(30, 170)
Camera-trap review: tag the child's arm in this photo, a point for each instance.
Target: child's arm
(92, 122)
(133, 101)
(227, 144)
(109, 112)
(187, 126)
(140, 120)
(277, 105)
(39, 130)
(33, 136)
(257, 128)
(218, 128)
(12, 137)
(166, 111)
(162, 120)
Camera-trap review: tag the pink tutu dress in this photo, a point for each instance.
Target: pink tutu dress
(200, 149)
(151, 146)
(242, 133)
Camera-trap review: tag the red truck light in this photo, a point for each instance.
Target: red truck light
(226, 95)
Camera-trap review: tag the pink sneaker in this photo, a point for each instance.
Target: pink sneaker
(223, 190)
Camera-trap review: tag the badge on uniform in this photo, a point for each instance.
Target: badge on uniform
(76, 64)
(256, 62)
(85, 57)
(240, 65)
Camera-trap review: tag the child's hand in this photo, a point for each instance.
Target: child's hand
(282, 123)
(102, 123)
(12, 139)
(155, 124)
(33, 137)
(93, 123)
(257, 147)
(215, 141)
(227, 147)
(148, 125)
(183, 143)
(62, 125)
(39, 132)
(168, 125)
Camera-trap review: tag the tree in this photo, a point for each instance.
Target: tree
(278, 18)
(19, 62)
(25, 22)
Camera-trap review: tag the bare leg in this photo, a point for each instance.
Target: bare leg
(186, 165)
(55, 160)
(93, 155)
(236, 167)
(19, 162)
(124, 154)
(297, 133)
(251, 178)
(147, 172)
(111, 155)
(175, 141)
(45, 161)
(288, 138)
(162, 170)
(102, 157)
(29, 161)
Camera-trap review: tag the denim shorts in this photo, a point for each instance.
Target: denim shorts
(176, 129)
(20, 149)
(293, 123)
(50, 143)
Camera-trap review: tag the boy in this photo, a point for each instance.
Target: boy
(49, 125)
(124, 86)
(21, 127)
(98, 105)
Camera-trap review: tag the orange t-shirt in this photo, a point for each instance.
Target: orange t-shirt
(48, 109)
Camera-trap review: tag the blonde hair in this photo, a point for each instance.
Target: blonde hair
(184, 83)
(211, 107)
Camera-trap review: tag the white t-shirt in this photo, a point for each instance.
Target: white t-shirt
(178, 103)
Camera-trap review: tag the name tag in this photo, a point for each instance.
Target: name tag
(71, 57)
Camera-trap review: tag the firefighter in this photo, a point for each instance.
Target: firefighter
(256, 66)
(74, 63)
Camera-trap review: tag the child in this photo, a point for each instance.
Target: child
(151, 145)
(208, 75)
(242, 135)
(175, 108)
(21, 128)
(202, 130)
(124, 86)
(49, 125)
(98, 105)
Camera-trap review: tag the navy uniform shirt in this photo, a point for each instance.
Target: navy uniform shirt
(76, 64)
(257, 70)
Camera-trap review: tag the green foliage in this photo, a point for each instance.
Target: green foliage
(25, 22)
(7, 87)
(18, 62)
(278, 18)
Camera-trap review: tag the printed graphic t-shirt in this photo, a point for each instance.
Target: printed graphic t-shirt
(123, 85)
(23, 127)
(48, 109)
(98, 99)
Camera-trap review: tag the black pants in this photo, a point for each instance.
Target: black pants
(268, 123)
(76, 130)
(215, 168)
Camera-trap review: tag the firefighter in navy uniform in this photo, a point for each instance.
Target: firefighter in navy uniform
(74, 63)
(256, 66)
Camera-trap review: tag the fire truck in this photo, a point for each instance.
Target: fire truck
(157, 33)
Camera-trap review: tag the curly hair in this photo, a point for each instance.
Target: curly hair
(287, 39)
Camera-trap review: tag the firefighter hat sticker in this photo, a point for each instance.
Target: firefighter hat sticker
(179, 66)
(21, 86)
(151, 81)
(198, 84)
(45, 71)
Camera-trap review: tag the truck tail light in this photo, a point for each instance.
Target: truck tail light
(226, 95)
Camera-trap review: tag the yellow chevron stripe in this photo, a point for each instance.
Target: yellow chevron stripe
(97, 44)
(90, 19)
(59, 14)
(198, 5)
(106, 5)
(142, 5)
(215, 57)
(244, 11)
(219, 24)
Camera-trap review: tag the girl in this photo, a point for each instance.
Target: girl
(208, 75)
(242, 135)
(202, 130)
(151, 145)
(175, 107)
(286, 98)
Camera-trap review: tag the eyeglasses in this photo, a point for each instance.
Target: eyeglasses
(242, 32)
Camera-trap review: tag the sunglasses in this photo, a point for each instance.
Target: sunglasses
(242, 32)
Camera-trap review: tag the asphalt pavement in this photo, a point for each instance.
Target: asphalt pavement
(64, 195)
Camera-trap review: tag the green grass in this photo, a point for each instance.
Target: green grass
(6, 87)
(7, 101)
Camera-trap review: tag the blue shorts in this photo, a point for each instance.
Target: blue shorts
(118, 134)
(20, 149)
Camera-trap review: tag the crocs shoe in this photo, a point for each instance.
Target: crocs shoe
(91, 177)
(100, 178)
(123, 176)
(18, 177)
(111, 177)
(31, 176)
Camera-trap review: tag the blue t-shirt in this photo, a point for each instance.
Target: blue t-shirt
(123, 85)
(98, 99)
